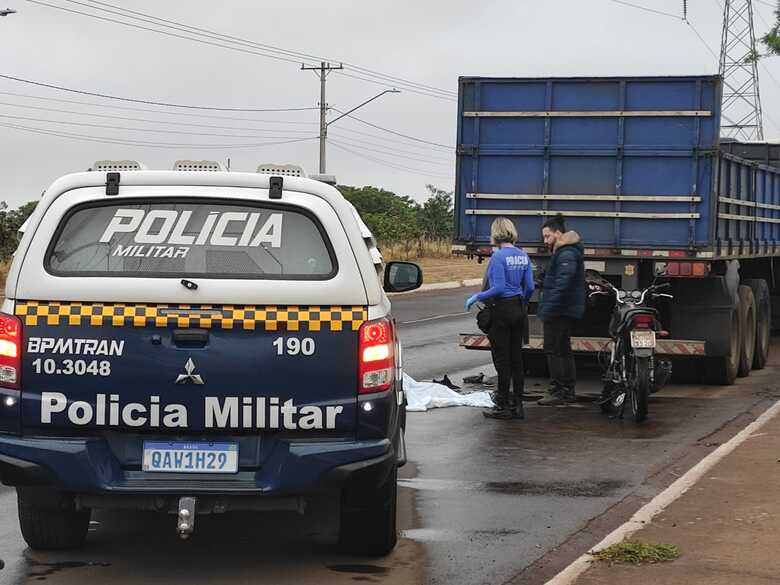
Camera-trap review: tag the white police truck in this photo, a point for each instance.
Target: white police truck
(198, 341)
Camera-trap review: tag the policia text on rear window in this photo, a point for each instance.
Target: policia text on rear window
(173, 238)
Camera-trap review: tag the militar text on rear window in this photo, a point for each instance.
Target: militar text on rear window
(206, 238)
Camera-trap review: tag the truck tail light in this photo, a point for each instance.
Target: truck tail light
(687, 269)
(10, 351)
(376, 357)
(643, 321)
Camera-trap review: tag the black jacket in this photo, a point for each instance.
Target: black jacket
(563, 293)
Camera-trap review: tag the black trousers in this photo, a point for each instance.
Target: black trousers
(557, 346)
(507, 330)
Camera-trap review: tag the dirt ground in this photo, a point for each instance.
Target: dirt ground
(449, 269)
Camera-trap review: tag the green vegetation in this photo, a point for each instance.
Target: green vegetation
(400, 223)
(10, 222)
(637, 553)
(772, 38)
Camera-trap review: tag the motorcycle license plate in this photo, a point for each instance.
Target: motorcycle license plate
(643, 339)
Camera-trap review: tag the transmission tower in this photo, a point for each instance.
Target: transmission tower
(741, 107)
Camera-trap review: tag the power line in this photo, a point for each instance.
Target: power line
(395, 153)
(389, 164)
(646, 9)
(106, 19)
(288, 52)
(146, 144)
(151, 121)
(384, 84)
(236, 44)
(703, 40)
(147, 102)
(405, 142)
(111, 127)
(427, 152)
(147, 110)
(393, 131)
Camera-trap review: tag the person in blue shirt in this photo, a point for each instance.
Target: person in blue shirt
(508, 287)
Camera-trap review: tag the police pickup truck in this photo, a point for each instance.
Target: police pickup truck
(195, 342)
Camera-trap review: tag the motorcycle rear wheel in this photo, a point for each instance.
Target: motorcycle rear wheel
(639, 390)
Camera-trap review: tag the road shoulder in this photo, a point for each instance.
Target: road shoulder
(725, 524)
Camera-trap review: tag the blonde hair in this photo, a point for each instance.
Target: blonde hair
(503, 230)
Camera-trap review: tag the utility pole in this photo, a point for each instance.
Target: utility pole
(322, 72)
(741, 106)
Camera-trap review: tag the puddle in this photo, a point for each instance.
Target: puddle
(42, 571)
(359, 569)
(432, 535)
(569, 489)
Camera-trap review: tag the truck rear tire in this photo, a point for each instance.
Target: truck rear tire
(747, 310)
(763, 321)
(368, 525)
(56, 525)
(722, 370)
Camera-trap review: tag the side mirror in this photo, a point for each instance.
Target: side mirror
(402, 277)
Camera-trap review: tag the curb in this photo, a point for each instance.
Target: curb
(660, 502)
(441, 286)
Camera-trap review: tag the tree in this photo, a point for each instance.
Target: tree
(772, 38)
(10, 222)
(391, 218)
(436, 215)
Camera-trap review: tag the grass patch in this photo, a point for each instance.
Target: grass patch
(637, 553)
(449, 269)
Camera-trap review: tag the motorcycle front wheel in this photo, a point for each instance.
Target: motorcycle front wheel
(639, 390)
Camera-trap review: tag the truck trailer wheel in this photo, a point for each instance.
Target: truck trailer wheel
(368, 515)
(54, 525)
(747, 309)
(763, 321)
(722, 370)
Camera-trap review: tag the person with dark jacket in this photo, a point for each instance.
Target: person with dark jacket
(562, 303)
(510, 283)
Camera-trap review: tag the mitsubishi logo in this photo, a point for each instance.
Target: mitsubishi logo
(189, 368)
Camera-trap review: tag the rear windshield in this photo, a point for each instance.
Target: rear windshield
(185, 238)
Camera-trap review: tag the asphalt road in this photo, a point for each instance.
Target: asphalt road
(481, 501)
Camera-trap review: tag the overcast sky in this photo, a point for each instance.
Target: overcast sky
(429, 42)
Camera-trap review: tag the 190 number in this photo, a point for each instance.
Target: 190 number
(72, 367)
(295, 346)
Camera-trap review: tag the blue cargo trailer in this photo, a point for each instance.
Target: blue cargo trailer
(636, 166)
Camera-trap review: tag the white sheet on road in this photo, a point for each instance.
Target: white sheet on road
(421, 396)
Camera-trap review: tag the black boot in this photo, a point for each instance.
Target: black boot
(498, 412)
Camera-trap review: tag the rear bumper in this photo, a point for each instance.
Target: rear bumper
(88, 466)
(673, 347)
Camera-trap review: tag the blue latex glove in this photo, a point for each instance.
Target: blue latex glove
(470, 301)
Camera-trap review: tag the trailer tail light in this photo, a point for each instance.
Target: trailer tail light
(10, 351)
(376, 357)
(687, 269)
(643, 321)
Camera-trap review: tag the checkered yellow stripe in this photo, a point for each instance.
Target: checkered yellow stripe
(267, 318)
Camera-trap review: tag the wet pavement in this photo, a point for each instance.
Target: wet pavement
(480, 501)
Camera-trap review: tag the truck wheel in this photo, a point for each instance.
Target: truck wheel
(763, 321)
(747, 307)
(368, 526)
(56, 525)
(722, 370)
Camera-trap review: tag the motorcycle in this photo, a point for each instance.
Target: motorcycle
(632, 371)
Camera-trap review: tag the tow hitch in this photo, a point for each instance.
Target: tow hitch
(185, 525)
